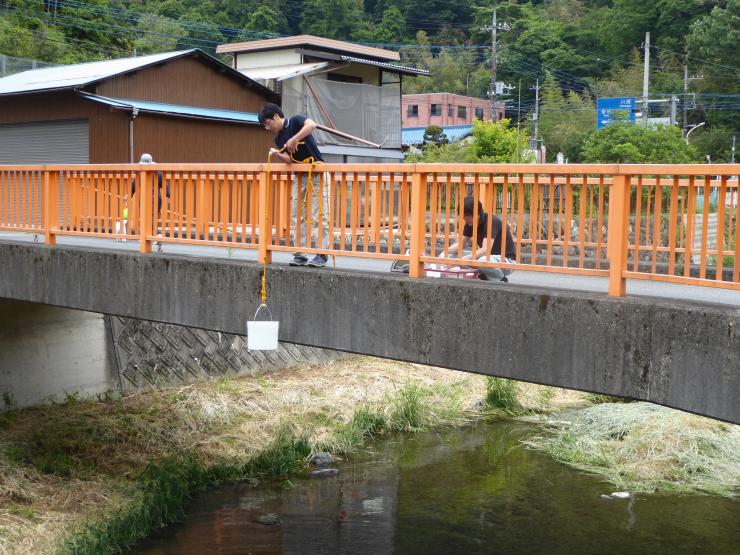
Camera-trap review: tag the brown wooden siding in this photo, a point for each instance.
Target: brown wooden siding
(190, 140)
(42, 107)
(189, 81)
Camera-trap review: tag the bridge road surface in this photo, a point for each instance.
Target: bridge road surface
(520, 278)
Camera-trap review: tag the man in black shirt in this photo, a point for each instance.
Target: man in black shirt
(295, 144)
(494, 245)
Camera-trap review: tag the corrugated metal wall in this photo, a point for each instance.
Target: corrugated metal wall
(108, 130)
(49, 142)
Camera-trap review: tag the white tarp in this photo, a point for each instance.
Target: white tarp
(367, 111)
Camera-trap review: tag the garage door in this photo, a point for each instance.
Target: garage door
(48, 142)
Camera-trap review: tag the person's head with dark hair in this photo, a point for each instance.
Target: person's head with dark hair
(469, 209)
(272, 117)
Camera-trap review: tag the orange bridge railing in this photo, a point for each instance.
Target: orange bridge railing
(675, 223)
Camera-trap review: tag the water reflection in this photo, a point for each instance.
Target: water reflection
(461, 491)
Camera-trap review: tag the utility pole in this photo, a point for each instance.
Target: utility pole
(494, 60)
(519, 121)
(645, 79)
(674, 102)
(685, 99)
(733, 149)
(686, 80)
(494, 28)
(536, 109)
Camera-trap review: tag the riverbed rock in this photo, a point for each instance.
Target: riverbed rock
(605, 496)
(322, 459)
(270, 519)
(323, 473)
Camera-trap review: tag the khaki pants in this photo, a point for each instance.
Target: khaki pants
(319, 194)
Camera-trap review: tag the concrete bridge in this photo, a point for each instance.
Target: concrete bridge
(676, 353)
(672, 224)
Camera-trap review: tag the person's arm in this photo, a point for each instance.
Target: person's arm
(483, 250)
(455, 247)
(309, 126)
(281, 155)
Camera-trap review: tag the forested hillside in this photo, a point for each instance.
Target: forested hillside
(578, 49)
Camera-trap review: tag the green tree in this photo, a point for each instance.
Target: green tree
(435, 135)
(264, 20)
(628, 143)
(450, 153)
(716, 36)
(392, 28)
(624, 24)
(624, 80)
(565, 121)
(497, 142)
(335, 19)
(157, 34)
(716, 143)
(435, 14)
(675, 18)
(449, 72)
(16, 40)
(490, 142)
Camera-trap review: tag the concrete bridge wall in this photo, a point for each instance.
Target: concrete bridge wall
(50, 353)
(668, 352)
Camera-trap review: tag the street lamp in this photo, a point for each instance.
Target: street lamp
(694, 127)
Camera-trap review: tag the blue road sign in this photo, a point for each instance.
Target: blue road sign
(605, 107)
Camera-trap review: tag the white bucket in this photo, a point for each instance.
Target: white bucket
(262, 335)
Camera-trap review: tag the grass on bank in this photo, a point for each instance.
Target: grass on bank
(645, 447)
(91, 477)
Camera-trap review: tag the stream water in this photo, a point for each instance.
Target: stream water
(470, 490)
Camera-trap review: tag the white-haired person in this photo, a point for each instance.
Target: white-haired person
(147, 158)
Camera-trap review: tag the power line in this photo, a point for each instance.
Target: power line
(707, 62)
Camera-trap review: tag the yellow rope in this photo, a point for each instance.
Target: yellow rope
(309, 184)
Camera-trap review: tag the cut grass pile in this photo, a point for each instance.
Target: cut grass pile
(645, 447)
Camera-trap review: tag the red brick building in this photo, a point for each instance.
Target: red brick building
(423, 110)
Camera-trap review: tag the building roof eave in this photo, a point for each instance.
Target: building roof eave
(174, 110)
(15, 85)
(310, 41)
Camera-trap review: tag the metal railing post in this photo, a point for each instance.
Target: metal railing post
(50, 199)
(144, 225)
(265, 229)
(418, 223)
(617, 235)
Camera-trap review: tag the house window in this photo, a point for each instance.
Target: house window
(450, 111)
(343, 78)
(436, 109)
(462, 112)
(413, 111)
(479, 113)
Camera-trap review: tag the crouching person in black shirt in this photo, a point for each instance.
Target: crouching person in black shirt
(494, 245)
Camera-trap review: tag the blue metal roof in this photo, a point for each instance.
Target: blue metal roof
(176, 109)
(415, 135)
